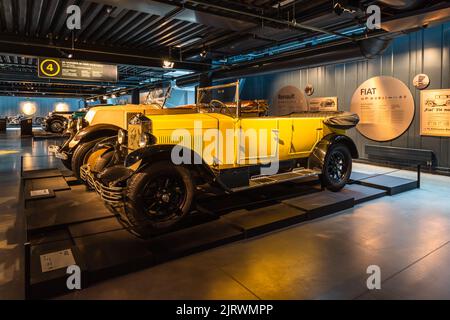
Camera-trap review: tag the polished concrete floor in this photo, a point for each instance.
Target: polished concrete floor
(407, 236)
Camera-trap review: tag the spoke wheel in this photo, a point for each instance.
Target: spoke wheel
(159, 198)
(164, 197)
(56, 126)
(337, 167)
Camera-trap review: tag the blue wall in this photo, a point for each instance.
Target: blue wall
(10, 106)
(426, 51)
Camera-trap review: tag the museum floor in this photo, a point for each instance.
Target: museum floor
(407, 236)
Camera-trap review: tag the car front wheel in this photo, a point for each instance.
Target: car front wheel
(81, 155)
(159, 198)
(337, 167)
(56, 126)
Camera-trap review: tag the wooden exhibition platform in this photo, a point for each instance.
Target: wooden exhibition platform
(70, 217)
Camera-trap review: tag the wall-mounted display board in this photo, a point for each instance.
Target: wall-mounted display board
(323, 104)
(385, 106)
(289, 99)
(54, 68)
(435, 113)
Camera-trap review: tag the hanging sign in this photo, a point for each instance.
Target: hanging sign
(66, 69)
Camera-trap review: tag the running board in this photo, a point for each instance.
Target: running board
(296, 174)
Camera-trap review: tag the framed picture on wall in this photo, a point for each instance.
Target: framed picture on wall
(435, 113)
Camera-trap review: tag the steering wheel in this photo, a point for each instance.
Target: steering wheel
(221, 105)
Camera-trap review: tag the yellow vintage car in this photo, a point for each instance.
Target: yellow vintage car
(224, 143)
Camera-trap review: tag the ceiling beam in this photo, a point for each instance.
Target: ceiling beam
(14, 45)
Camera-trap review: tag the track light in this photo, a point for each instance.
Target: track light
(203, 54)
(68, 55)
(168, 64)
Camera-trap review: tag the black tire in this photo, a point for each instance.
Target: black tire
(56, 126)
(103, 161)
(159, 198)
(81, 155)
(337, 167)
(67, 163)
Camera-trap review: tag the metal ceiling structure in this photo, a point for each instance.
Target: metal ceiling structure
(197, 35)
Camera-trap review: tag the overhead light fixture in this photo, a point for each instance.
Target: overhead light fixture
(65, 54)
(168, 64)
(203, 54)
(188, 42)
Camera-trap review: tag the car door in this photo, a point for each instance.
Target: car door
(305, 133)
(256, 140)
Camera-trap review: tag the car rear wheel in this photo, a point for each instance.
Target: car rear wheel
(159, 198)
(337, 167)
(56, 126)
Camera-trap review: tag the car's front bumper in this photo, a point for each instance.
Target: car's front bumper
(56, 150)
(110, 193)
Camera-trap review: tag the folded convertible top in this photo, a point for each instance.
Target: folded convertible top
(343, 120)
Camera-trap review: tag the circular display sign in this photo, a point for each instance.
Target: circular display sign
(385, 106)
(289, 99)
(50, 67)
(309, 90)
(421, 81)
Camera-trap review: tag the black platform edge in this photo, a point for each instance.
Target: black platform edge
(194, 239)
(38, 135)
(392, 185)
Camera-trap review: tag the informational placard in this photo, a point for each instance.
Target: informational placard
(39, 193)
(323, 104)
(54, 68)
(435, 113)
(385, 106)
(289, 99)
(57, 260)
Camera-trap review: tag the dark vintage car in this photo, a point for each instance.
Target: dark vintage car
(56, 121)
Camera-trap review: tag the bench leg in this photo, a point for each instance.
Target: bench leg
(418, 176)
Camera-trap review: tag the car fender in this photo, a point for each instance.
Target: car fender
(317, 157)
(91, 133)
(163, 152)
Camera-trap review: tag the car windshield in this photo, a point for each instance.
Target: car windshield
(219, 99)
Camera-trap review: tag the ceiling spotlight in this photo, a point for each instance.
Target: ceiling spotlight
(168, 64)
(203, 54)
(66, 54)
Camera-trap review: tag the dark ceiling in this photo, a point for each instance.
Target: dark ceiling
(137, 35)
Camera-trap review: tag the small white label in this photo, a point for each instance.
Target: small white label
(57, 260)
(37, 193)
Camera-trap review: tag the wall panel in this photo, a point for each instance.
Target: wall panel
(10, 106)
(426, 51)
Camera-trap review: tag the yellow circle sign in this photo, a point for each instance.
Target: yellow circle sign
(50, 67)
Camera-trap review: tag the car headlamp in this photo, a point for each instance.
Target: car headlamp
(144, 140)
(79, 124)
(121, 136)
